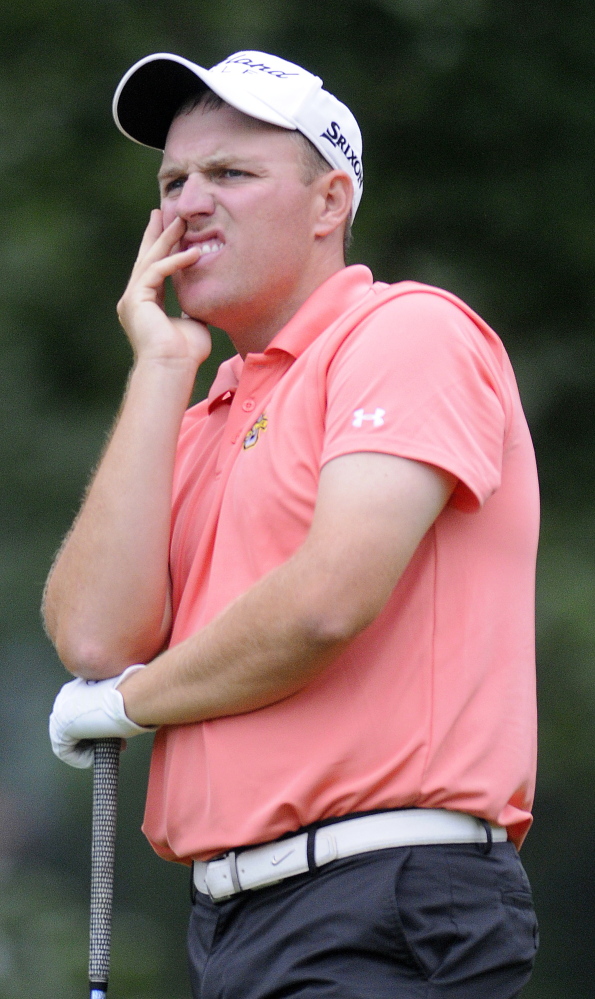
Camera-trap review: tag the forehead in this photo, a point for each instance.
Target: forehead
(225, 132)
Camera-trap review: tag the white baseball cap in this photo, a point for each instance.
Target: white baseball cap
(261, 85)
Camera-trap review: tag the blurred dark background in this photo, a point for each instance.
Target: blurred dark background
(479, 144)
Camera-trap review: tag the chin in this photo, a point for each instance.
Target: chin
(197, 308)
(196, 301)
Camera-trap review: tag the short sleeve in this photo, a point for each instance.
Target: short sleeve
(419, 379)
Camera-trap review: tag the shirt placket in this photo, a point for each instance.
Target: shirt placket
(260, 374)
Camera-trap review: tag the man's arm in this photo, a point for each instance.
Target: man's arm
(107, 598)
(371, 513)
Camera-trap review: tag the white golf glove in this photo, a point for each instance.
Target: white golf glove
(85, 710)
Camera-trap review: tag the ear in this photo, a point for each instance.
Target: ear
(335, 194)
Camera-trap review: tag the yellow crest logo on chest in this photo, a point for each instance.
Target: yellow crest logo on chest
(254, 432)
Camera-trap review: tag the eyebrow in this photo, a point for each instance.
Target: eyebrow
(210, 163)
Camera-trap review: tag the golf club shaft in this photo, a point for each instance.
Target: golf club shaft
(105, 799)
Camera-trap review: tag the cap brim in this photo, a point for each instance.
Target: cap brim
(154, 89)
(149, 95)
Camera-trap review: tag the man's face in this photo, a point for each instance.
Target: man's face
(237, 184)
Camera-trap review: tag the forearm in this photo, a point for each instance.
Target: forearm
(107, 597)
(371, 514)
(265, 646)
(372, 511)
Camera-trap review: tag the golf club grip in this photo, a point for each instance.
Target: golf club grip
(105, 800)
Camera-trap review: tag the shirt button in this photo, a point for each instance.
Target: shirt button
(248, 405)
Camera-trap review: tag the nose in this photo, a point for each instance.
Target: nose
(195, 198)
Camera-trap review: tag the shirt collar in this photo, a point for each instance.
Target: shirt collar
(325, 305)
(330, 300)
(226, 382)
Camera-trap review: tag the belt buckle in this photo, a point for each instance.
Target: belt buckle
(221, 878)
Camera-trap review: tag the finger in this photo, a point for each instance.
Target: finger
(152, 232)
(158, 242)
(79, 754)
(164, 267)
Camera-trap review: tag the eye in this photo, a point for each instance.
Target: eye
(230, 173)
(176, 184)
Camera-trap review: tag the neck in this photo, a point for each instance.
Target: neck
(255, 337)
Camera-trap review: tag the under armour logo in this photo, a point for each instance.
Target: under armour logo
(377, 417)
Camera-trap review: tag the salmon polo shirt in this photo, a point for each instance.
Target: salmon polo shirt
(433, 704)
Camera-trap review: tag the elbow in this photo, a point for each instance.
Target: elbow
(81, 655)
(334, 625)
(86, 658)
(97, 647)
(336, 610)
(99, 654)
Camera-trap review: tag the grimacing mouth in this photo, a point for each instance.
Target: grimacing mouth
(209, 242)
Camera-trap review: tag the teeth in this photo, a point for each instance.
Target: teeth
(210, 247)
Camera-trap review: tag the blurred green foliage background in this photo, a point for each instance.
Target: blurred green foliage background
(479, 143)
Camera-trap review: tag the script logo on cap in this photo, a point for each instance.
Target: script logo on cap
(233, 63)
(338, 140)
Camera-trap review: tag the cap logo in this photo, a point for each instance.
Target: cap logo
(254, 67)
(338, 140)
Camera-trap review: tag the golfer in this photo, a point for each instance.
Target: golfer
(317, 584)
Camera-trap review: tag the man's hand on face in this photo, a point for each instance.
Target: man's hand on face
(153, 334)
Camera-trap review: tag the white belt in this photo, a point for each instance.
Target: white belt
(260, 866)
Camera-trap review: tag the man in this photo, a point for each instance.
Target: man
(318, 583)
